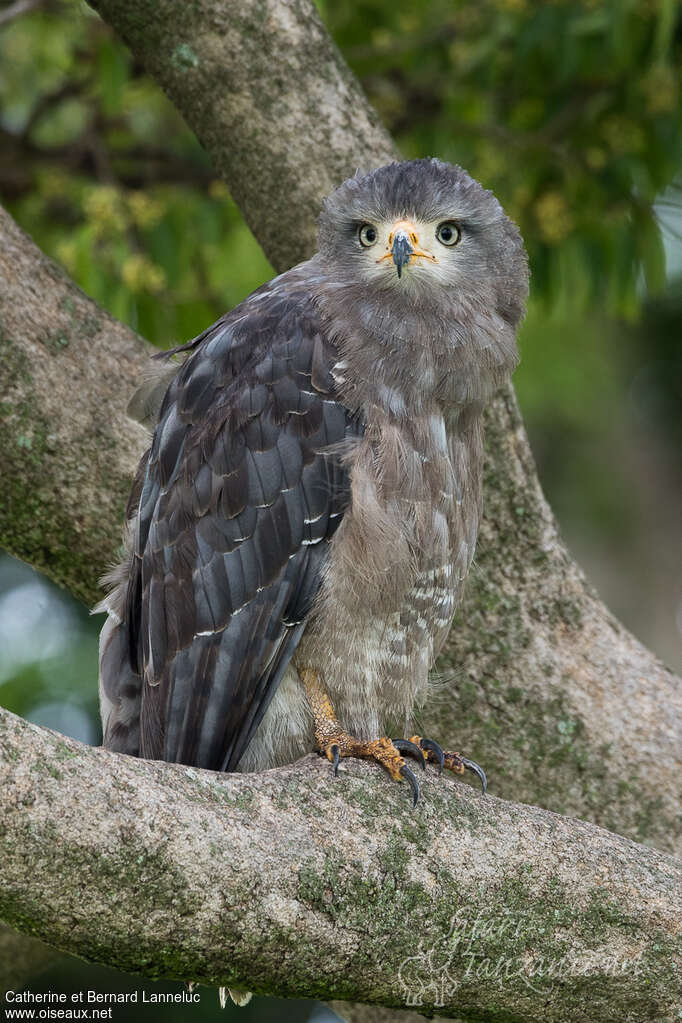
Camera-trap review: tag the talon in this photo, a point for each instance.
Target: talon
(333, 742)
(432, 747)
(414, 784)
(406, 746)
(472, 766)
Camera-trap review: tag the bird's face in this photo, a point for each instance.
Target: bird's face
(423, 278)
(408, 249)
(422, 234)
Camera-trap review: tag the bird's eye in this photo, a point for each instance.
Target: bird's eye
(448, 233)
(367, 235)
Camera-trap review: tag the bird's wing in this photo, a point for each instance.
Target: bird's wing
(240, 498)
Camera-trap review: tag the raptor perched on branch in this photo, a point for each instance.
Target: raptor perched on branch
(303, 522)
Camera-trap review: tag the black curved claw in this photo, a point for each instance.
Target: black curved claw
(433, 747)
(405, 746)
(472, 766)
(414, 784)
(335, 761)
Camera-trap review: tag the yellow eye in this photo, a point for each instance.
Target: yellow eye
(368, 235)
(448, 233)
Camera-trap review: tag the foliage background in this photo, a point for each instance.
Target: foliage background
(569, 111)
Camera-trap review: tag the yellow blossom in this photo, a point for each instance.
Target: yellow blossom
(595, 158)
(661, 89)
(140, 274)
(623, 136)
(67, 253)
(54, 184)
(218, 190)
(144, 210)
(553, 217)
(104, 208)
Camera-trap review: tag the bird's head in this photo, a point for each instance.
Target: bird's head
(422, 228)
(419, 259)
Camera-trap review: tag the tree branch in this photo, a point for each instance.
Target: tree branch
(293, 881)
(270, 97)
(67, 449)
(18, 8)
(137, 166)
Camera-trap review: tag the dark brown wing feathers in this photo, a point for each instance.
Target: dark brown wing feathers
(238, 503)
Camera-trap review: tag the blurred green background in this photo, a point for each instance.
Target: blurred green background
(569, 111)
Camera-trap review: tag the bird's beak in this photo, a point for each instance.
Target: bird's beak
(403, 246)
(401, 250)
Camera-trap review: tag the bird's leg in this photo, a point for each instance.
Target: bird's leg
(448, 761)
(333, 742)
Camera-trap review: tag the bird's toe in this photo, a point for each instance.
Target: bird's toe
(384, 751)
(412, 750)
(449, 760)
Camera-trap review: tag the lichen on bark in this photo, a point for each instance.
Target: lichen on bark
(67, 449)
(284, 882)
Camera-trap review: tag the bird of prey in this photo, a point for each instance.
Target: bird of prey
(302, 524)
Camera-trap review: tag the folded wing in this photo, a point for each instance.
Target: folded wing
(240, 497)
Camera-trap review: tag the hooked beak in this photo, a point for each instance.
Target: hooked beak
(403, 246)
(401, 250)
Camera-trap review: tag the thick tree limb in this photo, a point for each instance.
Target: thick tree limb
(67, 449)
(18, 8)
(270, 97)
(295, 882)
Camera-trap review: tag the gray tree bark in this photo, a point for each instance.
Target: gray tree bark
(542, 685)
(67, 449)
(298, 882)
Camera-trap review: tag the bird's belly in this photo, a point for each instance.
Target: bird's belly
(379, 619)
(373, 664)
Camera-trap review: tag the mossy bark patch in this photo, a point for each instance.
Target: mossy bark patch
(466, 906)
